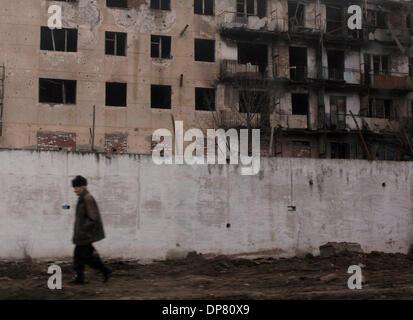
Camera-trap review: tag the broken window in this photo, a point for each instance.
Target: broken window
(204, 50)
(253, 53)
(411, 67)
(161, 4)
(382, 108)
(298, 63)
(57, 91)
(253, 101)
(205, 7)
(252, 8)
(161, 47)
(411, 109)
(58, 39)
(338, 112)
(117, 3)
(409, 23)
(115, 43)
(381, 64)
(339, 150)
(116, 94)
(299, 104)
(161, 97)
(205, 99)
(301, 149)
(296, 13)
(335, 65)
(377, 19)
(383, 151)
(335, 20)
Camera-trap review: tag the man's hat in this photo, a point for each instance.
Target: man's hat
(79, 181)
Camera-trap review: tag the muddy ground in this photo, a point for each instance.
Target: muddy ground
(386, 276)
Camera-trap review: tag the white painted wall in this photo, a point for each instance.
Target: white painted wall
(154, 211)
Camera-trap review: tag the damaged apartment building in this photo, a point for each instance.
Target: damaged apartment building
(120, 69)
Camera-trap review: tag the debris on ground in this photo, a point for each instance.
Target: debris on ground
(335, 248)
(221, 277)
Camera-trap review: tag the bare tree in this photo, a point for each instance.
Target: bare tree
(250, 109)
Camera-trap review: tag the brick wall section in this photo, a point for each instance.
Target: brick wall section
(116, 143)
(56, 141)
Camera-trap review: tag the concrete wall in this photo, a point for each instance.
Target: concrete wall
(154, 211)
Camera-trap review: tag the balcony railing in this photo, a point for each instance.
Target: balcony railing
(232, 69)
(391, 80)
(342, 74)
(298, 73)
(271, 23)
(234, 20)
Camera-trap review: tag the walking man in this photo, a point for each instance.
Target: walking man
(88, 229)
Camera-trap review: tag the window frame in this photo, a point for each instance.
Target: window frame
(115, 43)
(160, 46)
(46, 32)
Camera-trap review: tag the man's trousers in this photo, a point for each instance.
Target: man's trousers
(86, 255)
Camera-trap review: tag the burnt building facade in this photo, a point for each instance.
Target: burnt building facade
(120, 69)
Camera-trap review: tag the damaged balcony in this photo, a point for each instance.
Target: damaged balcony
(337, 28)
(390, 81)
(344, 75)
(251, 63)
(299, 116)
(232, 22)
(232, 69)
(380, 116)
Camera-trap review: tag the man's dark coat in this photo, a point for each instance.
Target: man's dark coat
(88, 223)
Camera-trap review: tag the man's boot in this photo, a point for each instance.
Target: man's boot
(80, 279)
(106, 274)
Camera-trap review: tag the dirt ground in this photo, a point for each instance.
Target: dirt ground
(386, 276)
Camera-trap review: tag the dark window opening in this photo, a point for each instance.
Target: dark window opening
(253, 101)
(411, 109)
(115, 43)
(205, 99)
(382, 108)
(298, 63)
(58, 39)
(339, 150)
(296, 14)
(301, 143)
(253, 53)
(116, 94)
(411, 67)
(205, 7)
(299, 104)
(335, 65)
(383, 151)
(377, 19)
(338, 111)
(161, 97)
(204, 50)
(367, 68)
(335, 23)
(117, 3)
(161, 4)
(57, 91)
(381, 64)
(409, 24)
(252, 8)
(161, 47)
(301, 149)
